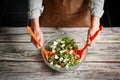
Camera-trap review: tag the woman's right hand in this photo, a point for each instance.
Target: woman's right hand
(37, 31)
(39, 35)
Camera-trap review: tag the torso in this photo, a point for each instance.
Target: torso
(65, 13)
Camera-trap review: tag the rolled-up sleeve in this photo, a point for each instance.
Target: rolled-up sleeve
(35, 8)
(97, 8)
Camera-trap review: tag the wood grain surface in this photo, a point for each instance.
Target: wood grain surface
(20, 60)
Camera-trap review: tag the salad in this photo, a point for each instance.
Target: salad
(63, 53)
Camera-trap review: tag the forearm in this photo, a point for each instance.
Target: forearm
(95, 21)
(34, 11)
(96, 12)
(35, 23)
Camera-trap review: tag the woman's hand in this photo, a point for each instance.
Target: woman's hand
(95, 23)
(37, 31)
(39, 35)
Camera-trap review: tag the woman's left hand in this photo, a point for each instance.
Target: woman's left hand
(95, 23)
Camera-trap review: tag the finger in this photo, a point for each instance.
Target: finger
(36, 45)
(41, 39)
(89, 41)
(88, 38)
(96, 39)
(41, 42)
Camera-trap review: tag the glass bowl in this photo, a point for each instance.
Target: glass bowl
(80, 43)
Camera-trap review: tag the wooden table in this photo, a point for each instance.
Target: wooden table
(20, 60)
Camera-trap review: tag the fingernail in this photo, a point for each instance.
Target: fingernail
(38, 47)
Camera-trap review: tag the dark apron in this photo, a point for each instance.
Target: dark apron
(65, 13)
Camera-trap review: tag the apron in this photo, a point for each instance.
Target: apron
(66, 13)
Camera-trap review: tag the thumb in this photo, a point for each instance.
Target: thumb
(88, 40)
(41, 42)
(38, 45)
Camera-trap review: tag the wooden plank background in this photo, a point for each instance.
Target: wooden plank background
(20, 60)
